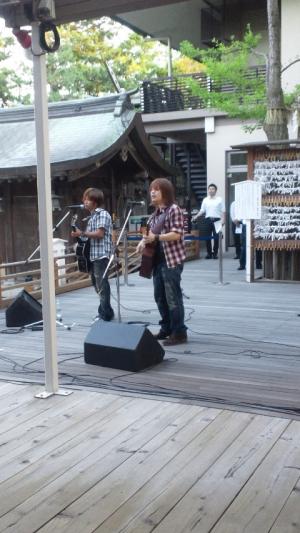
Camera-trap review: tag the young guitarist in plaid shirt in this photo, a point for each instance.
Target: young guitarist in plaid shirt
(167, 231)
(99, 231)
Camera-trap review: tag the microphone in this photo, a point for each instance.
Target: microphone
(133, 202)
(78, 206)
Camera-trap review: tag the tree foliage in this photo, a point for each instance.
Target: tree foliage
(78, 68)
(12, 84)
(232, 85)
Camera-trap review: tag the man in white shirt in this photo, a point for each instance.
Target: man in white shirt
(213, 209)
(236, 226)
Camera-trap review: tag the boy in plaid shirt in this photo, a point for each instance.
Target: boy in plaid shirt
(99, 231)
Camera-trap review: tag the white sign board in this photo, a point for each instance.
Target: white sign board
(248, 200)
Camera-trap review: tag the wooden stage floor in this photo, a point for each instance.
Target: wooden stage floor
(108, 463)
(206, 441)
(243, 351)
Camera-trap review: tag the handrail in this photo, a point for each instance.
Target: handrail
(174, 94)
(67, 275)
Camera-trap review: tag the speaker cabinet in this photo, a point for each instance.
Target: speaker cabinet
(23, 310)
(124, 346)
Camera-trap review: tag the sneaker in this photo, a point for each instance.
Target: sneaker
(161, 335)
(208, 256)
(175, 339)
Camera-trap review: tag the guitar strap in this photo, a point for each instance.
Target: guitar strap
(159, 221)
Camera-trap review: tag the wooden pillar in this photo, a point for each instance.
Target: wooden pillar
(8, 223)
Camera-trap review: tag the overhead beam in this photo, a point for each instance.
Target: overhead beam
(67, 11)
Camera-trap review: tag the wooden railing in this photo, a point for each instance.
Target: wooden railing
(27, 274)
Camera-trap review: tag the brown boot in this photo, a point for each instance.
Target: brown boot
(175, 339)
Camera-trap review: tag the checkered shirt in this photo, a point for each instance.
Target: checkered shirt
(100, 247)
(174, 250)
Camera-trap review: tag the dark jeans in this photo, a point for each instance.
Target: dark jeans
(212, 232)
(168, 298)
(243, 247)
(102, 287)
(236, 240)
(258, 253)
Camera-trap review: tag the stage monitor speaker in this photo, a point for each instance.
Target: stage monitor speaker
(124, 346)
(23, 310)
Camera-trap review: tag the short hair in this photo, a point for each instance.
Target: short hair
(95, 195)
(166, 188)
(213, 185)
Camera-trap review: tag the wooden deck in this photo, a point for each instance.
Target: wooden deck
(207, 441)
(243, 351)
(106, 463)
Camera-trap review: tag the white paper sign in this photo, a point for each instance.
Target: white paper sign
(218, 226)
(248, 200)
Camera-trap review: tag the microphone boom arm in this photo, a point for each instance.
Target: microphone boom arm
(53, 230)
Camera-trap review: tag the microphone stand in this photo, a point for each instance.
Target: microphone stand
(113, 258)
(53, 230)
(59, 321)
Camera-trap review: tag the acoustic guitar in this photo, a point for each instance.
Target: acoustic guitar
(147, 260)
(82, 250)
(149, 252)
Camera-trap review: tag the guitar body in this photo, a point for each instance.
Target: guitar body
(149, 252)
(147, 261)
(82, 250)
(83, 255)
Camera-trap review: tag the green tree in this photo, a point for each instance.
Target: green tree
(248, 98)
(78, 68)
(230, 86)
(13, 85)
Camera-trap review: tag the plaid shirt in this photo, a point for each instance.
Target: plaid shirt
(174, 250)
(100, 247)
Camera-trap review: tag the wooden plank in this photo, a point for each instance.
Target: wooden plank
(70, 438)
(258, 504)
(154, 499)
(15, 398)
(41, 428)
(7, 388)
(289, 517)
(75, 467)
(107, 495)
(207, 500)
(28, 411)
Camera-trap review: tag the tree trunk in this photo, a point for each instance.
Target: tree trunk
(275, 124)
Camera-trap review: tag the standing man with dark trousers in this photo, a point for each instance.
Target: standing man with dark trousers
(166, 235)
(213, 209)
(236, 226)
(99, 231)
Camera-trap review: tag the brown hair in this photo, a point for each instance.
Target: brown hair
(166, 188)
(95, 195)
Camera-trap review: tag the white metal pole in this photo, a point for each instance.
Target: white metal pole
(45, 214)
(248, 251)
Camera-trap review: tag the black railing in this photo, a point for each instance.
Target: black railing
(175, 94)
